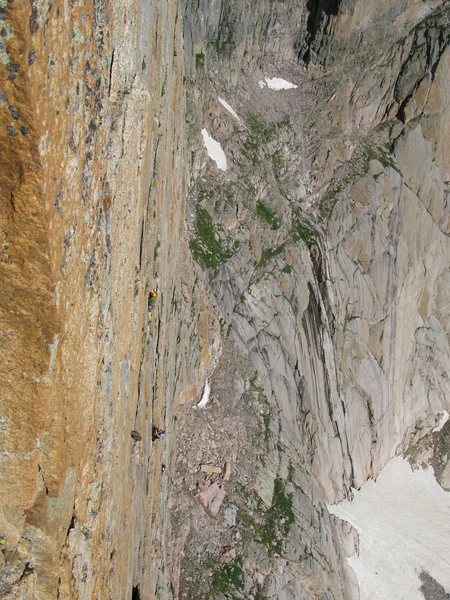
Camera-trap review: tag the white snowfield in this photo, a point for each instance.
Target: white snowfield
(403, 521)
(214, 150)
(205, 396)
(276, 83)
(227, 107)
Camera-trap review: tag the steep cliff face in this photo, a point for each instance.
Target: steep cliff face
(302, 272)
(93, 191)
(324, 239)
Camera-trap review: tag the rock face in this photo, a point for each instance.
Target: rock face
(308, 279)
(326, 245)
(93, 191)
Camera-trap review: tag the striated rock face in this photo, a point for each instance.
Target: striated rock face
(303, 270)
(326, 244)
(93, 190)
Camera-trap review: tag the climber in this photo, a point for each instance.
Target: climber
(157, 434)
(152, 299)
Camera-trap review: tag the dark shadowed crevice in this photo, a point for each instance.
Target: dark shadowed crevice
(431, 589)
(316, 8)
(136, 594)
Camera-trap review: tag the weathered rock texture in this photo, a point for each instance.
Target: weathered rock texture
(93, 189)
(326, 245)
(321, 267)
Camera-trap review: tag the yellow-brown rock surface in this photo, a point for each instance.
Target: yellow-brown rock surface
(93, 182)
(324, 247)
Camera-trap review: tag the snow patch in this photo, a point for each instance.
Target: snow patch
(442, 420)
(229, 109)
(214, 150)
(276, 83)
(403, 521)
(205, 396)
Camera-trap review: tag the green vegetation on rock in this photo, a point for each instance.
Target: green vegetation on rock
(269, 253)
(301, 231)
(268, 215)
(229, 577)
(208, 248)
(224, 42)
(277, 160)
(380, 154)
(260, 134)
(218, 195)
(199, 60)
(271, 525)
(305, 232)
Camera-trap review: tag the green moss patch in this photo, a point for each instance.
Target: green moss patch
(229, 577)
(199, 60)
(208, 248)
(271, 526)
(268, 215)
(268, 254)
(305, 232)
(259, 135)
(380, 154)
